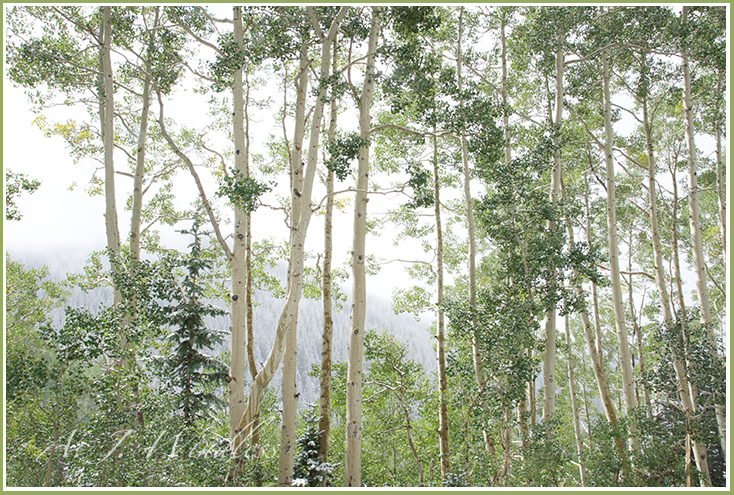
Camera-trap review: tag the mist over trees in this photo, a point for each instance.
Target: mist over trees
(544, 186)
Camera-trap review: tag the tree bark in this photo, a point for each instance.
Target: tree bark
(288, 317)
(326, 347)
(720, 172)
(353, 448)
(298, 210)
(301, 212)
(674, 240)
(699, 264)
(575, 408)
(594, 297)
(443, 415)
(549, 356)
(476, 352)
(686, 394)
(597, 364)
(476, 355)
(238, 295)
(250, 340)
(619, 315)
(107, 115)
(137, 206)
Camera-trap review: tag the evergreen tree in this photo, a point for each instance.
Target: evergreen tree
(309, 469)
(190, 372)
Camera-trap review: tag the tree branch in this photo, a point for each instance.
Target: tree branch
(189, 163)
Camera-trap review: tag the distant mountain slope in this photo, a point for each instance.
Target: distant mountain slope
(379, 317)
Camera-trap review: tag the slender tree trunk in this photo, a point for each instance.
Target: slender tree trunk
(686, 394)
(693, 208)
(699, 264)
(301, 203)
(531, 402)
(326, 349)
(720, 173)
(107, 114)
(591, 345)
(674, 241)
(299, 219)
(637, 332)
(237, 261)
(290, 407)
(575, 408)
(522, 406)
(137, 206)
(506, 436)
(298, 210)
(476, 354)
(107, 123)
(586, 402)
(619, 315)
(250, 340)
(353, 447)
(549, 357)
(594, 297)
(443, 415)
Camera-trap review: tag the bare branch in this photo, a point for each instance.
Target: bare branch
(194, 174)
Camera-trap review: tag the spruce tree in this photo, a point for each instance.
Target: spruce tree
(309, 469)
(191, 372)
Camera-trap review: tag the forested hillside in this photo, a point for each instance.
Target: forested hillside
(289, 194)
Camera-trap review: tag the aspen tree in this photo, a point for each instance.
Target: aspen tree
(237, 260)
(684, 387)
(107, 117)
(300, 203)
(137, 206)
(326, 346)
(597, 365)
(699, 263)
(549, 356)
(575, 407)
(471, 227)
(443, 414)
(353, 449)
(619, 315)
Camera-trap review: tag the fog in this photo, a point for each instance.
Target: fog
(266, 313)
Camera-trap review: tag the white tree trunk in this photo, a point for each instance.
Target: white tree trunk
(353, 448)
(597, 364)
(107, 114)
(575, 408)
(693, 208)
(326, 347)
(443, 414)
(300, 204)
(476, 355)
(699, 264)
(298, 211)
(238, 294)
(137, 206)
(250, 340)
(619, 315)
(288, 317)
(594, 296)
(720, 173)
(549, 356)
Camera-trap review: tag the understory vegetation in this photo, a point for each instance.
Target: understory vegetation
(545, 185)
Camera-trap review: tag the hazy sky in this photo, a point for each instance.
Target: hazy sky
(59, 222)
